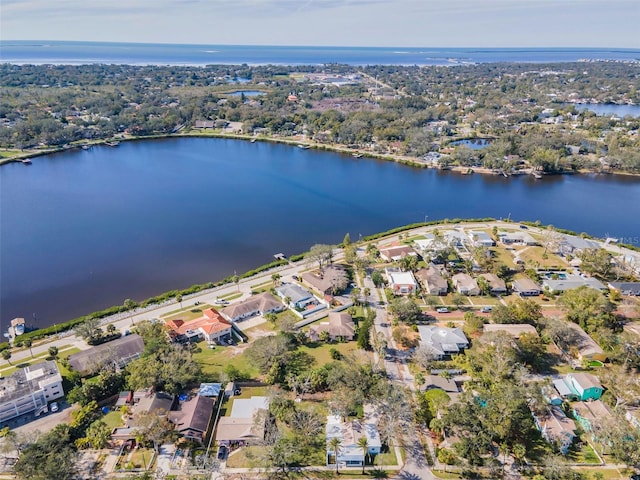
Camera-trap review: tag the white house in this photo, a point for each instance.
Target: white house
(402, 283)
(300, 297)
(350, 454)
(481, 239)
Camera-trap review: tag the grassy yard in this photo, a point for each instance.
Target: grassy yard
(231, 296)
(64, 352)
(190, 313)
(213, 361)
(535, 256)
(322, 351)
(583, 455)
(607, 473)
(141, 458)
(388, 458)
(113, 419)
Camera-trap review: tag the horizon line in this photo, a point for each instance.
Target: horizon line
(521, 47)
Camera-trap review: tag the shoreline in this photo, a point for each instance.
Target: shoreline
(401, 159)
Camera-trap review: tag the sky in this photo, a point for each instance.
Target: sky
(410, 23)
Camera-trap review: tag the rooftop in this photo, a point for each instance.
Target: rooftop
(261, 303)
(115, 350)
(27, 380)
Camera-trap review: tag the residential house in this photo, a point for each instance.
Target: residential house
(556, 428)
(571, 282)
(432, 281)
(579, 385)
(586, 413)
(350, 453)
(298, 296)
(454, 238)
(212, 327)
(514, 330)
(572, 245)
(481, 239)
(193, 418)
(339, 326)
(260, 304)
(204, 124)
(401, 283)
(496, 284)
(517, 238)
(587, 348)
(441, 383)
(328, 281)
(525, 287)
(626, 288)
(246, 423)
(396, 252)
(29, 390)
(442, 341)
(465, 285)
(117, 352)
(158, 403)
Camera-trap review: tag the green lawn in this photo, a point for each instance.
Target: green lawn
(214, 360)
(231, 296)
(113, 419)
(9, 369)
(190, 313)
(322, 351)
(536, 256)
(388, 458)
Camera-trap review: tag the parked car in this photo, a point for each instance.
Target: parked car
(296, 278)
(54, 407)
(486, 309)
(442, 310)
(222, 452)
(221, 302)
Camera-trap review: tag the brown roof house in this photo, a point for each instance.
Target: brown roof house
(246, 424)
(432, 281)
(254, 305)
(496, 284)
(396, 251)
(117, 352)
(465, 285)
(330, 280)
(340, 325)
(193, 418)
(556, 428)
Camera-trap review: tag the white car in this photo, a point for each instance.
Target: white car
(221, 302)
(54, 407)
(442, 310)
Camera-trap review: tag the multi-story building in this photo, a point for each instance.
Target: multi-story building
(29, 390)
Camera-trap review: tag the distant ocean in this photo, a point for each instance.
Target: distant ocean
(77, 53)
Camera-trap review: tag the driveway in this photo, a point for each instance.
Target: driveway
(27, 424)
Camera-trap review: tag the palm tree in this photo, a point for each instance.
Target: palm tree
(6, 354)
(28, 343)
(363, 443)
(276, 279)
(179, 299)
(335, 444)
(367, 294)
(53, 352)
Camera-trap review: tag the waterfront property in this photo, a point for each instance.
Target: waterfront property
(297, 296)
(117, 352)
(255, 305)
(212, 327)
(396, 252)
(517, 238)
(29, 390)
(481, 239)
(329, 281)
(350, 454)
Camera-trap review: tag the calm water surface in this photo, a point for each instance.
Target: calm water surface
(84, 230)
(610, 109)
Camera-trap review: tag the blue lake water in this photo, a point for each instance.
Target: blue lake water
(246, 93)
(473, 143)
(83, 230)
(60, 52)
(609, 109)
